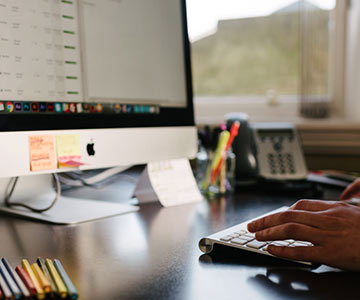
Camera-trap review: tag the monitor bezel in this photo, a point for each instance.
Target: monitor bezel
(168, 116)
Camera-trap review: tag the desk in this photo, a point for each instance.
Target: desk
(154, 254)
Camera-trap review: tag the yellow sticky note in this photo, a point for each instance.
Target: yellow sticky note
(42, 152)
(68, 149)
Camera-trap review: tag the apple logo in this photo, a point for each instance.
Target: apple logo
(90, 148)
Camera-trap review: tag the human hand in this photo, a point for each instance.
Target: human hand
(352, 190)
(333, 228)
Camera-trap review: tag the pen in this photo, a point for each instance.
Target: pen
(57, 279)
(5, 289)
(41, 263)
(40, 292)
(23, 289)
(10, 281)
(27, 280)
(69, 285)
(45, 284)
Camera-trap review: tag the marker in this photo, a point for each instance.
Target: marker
(57, 279)
(41, 263)
(10, 281)
(40, 292)
(45, 284)
(23, 289)
(233, 133)
(223, 139)
(27, 280)
(5, 289)
(69, 285)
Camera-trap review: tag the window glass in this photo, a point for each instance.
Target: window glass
(242, 47)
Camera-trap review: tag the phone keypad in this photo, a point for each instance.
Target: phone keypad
(281, 163)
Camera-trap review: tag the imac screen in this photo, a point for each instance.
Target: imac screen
(94, 64)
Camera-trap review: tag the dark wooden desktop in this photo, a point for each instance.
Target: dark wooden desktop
(154, 254)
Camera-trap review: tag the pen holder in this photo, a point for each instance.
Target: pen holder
(224, 181)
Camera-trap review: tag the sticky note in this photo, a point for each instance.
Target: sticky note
(42, 152)
(68, 150)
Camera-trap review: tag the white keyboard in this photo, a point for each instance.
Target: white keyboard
(239, 237)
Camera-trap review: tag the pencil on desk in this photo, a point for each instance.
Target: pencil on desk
(45, 284)
(40, 292)
(7, 294)
(27, 280)
(22, 287)
(57, 279)
(10, 281)
(66, 279)
(41, 263)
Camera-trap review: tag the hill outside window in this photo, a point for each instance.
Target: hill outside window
(275, 59)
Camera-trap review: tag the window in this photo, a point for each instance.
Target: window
(262, 57)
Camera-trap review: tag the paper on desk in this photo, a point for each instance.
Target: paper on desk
(42, 152)
(68, 150)
(171, 182)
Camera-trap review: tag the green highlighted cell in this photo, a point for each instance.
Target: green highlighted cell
(71, 77)
(72, 93)
(69, 32)
(69, 62)
(66, 1)
(68, 17)
(70, 47)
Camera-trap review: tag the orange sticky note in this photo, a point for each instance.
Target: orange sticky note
(42, 152)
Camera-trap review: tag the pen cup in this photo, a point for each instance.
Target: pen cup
(224, 181)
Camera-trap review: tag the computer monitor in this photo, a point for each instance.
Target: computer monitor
(113, 74)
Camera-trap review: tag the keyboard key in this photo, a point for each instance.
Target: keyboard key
(248, 234)
(240, 232)
(265, 248)
(234, 235)
(280, 243)
(256, 244)
(290, 241)
(301, 244)
(239, 241)
(246, 237)
(305, 243)
(226, 238)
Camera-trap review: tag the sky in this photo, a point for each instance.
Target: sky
(203, 15)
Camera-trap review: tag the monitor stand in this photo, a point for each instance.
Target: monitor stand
(38, 191)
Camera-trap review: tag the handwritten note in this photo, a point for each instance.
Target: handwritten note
(42, 152)
(68, 150)
(171, 182)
